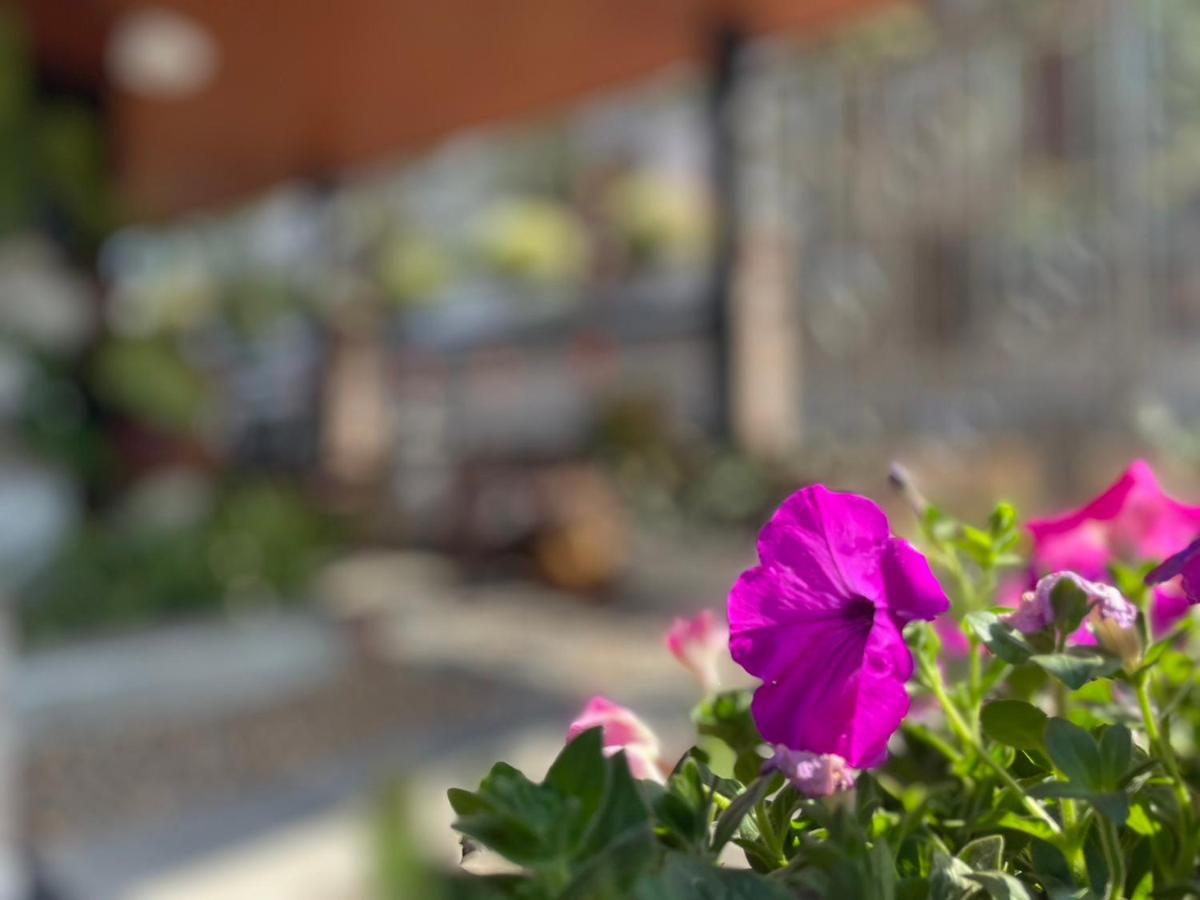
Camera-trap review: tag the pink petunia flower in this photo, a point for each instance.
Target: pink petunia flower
(622, 731)
(819, 621)
(698, 643)
(812, 774)
(1133, 521)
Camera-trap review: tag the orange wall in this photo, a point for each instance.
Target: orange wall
(307, 87)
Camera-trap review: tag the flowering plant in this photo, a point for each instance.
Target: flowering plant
(911, 735)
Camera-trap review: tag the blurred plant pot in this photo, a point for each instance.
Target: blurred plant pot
(582, 544)
(565, 520)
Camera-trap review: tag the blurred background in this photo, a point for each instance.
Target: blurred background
(379, 378)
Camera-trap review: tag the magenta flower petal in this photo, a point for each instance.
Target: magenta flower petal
(850, 705)
(1171, 604)
(1132, 521)
(838, 538)
(912, 590)
(1186, 563)
(819, 622)
(1173, 598)
(955, 644)
(769, 603)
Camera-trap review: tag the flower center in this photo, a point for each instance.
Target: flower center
(859, 608)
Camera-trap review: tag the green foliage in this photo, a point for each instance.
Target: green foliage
(1014, 723)
(584, 831)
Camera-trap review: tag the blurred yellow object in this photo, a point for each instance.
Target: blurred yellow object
(413, 268)
(534, 239)
(661, 217)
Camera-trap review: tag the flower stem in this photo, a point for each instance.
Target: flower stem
(1162, 743)
(719, 801)
(921, 733)
(976, 676)
(993, 675)
(933, 678)
(1110, 843)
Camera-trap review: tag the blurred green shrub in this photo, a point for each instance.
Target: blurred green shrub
(258, 544)
(52, 160)
(687, 478)
(149, 380)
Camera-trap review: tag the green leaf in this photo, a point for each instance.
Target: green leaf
(731, 818)
(1113, 805)
(1014, 723)
(612, 870)
(678, 823)
(1002, 639)
(984, 853)
(727, 717)
(1077, 756)
(622, 809)
(1141, 822)
(1074, 752)
(1130, 580)
(579, 773)
(1033, 827)
(782, 806)
(977, 545)
(1070, 605)
(1003, 520)
(1077, 666)
(1001, 885)
(1050, 865)
(1153, 655)
(949, 878)
(586, 820)
(1062, 789)
(759, 858)
(1060, 891)
(687, 878)
(684, 809)
(464, 803)
(513, 816)
(1116, 753)
(938, 526)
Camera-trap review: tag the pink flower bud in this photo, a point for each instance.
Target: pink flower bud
(622, 731)
(698, 643)
(812, 774)
(1106, 604)
(1033, 614)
